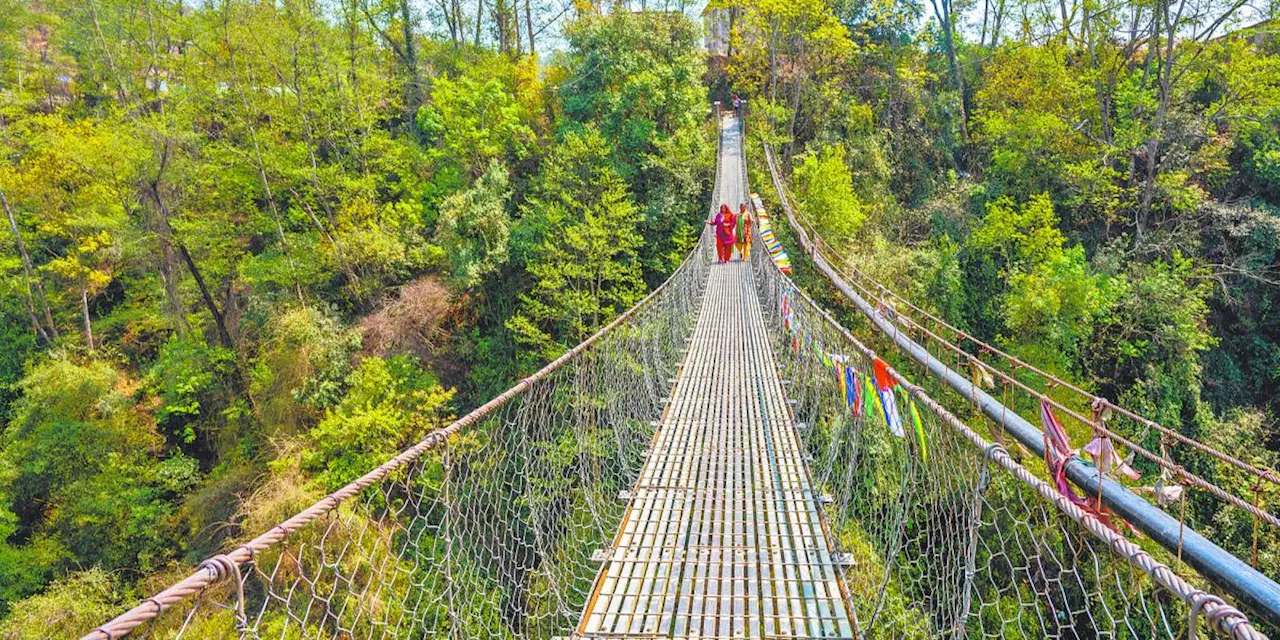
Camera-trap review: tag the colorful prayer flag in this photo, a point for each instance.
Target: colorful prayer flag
(859, 395)
(872, 397)
(884, 385)
(915, 420)
(1057, 453)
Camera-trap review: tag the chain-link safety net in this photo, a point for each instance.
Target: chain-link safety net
(484, 530)
(945, 533)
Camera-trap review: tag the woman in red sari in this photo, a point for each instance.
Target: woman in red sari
(726, 226)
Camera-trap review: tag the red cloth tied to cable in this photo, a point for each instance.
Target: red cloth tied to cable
(1057, 453)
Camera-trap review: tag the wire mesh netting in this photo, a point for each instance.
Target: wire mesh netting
(489, 532)
(944, 537)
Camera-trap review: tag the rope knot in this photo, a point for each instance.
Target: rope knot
(160, 606)
(990, 450)
(1225, 617)
(222, 566)
(1198, 599)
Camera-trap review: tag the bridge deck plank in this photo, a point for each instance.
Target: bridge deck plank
(723, 536)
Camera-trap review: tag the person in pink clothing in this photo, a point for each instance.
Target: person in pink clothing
(726, 226)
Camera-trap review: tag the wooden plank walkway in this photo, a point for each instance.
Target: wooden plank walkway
(723, 537)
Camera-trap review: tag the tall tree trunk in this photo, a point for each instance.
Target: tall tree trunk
(1102, 95)
(262, 170)
(168, 267)
(892, 101)
(998, 24)
(982, 34)
(942, 11)
(1066, 18)
(35, 322)
(459, 22)
(224, 336)
(169, 272)
(528, 25)
(733, 24)
(500, 22)
(1164, 92)
(773, 63)
(350, 17)
(407, 54)
(29, 270)
(446, 11)
(414, 90)
(791, 126)
(84, 314)
(337, 248)
(122, 92)
(515, 27)
(479, 19)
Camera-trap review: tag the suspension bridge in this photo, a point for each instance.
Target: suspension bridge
(723, 460)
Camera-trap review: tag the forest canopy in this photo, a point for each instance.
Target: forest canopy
(269, 245)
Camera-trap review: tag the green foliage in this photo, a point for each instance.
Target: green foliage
(579, 242)
(1022, 238)
(215, 211)
(186, 376)
(1051, 295)
(474, 228)
(308, 357)
(1153, 334)
(1029, 100)
(82, 476)
(640, 86)
(472, 122)
(81, 601)
(389, 405)
(17, 342)
(824, 188)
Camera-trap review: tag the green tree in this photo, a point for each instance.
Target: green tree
(473, 228)
(577, 237)
(1151, 338)
(69, 606)
(640, 85)
(389, 405)
(824, 188)
(1051, 294)
(81, 474)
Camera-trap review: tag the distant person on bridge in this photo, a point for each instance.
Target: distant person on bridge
(725, 223)
(744, 232)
